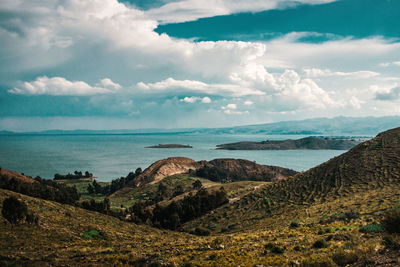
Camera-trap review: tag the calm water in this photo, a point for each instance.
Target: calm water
(113, 156)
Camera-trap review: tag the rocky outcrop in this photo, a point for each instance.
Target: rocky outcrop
(164, 168)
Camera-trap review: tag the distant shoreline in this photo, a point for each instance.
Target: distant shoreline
(308, 143)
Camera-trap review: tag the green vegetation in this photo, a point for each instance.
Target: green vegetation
(372, 228)
(343, 212)
(76, 175)
(391, 221)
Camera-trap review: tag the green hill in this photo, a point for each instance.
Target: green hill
(331, 215)
(368, 166)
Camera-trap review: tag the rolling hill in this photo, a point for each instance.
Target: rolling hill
(230, 169)
(371, 165)
(330, 215)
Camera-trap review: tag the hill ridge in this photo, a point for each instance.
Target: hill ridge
(369, 165)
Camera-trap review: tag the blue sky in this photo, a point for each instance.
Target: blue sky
(104, 64)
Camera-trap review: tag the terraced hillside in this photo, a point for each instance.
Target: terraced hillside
(370, 165)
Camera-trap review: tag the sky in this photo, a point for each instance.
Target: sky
(108, 64)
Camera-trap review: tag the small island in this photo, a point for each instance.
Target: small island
(170, 146)
(307, 143)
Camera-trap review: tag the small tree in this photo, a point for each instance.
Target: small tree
(391, 221)
(14, 210)
(90, 189)
(97, 187)
(138, 171)
(197, 184)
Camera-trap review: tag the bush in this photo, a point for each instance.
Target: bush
(342, 258)
(274, 248)
(201, 231)
(390, 243)
(294, 224)
(391, 221)
(372, 228)
(13, 210)
(321, 243)
(32, 218)
(349, 215)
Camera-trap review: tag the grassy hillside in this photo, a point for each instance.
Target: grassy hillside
(67, 235)
(369, 165)
(331, 215)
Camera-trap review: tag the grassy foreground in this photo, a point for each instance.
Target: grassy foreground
(318, 234)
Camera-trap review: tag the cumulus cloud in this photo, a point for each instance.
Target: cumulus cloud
(189, 99)
(194, 99)
(104, 38)
(106, 82)
(355, 103)
(231, 109)
(388, 95)
(197, 86)
(59, 86)
(206, 100)
(186, 10)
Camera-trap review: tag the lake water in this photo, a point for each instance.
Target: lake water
(112, 156)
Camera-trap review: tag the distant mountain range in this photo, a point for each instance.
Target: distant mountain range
(320, 126)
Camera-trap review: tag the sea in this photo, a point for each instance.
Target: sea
(111, 156)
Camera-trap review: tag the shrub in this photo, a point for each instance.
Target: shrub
(390, 243)
(342, 257)
(372, 228)
(294, 224)
(349, 215)
(201, 231)
(391, 221)
(320, 243)
(274, 248)
(32, 218)
(13, 210)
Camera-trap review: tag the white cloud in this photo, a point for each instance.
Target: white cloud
(187, 10)
(206, 100)
(388, 95)
(108, 39)
(60, 86)
(106, 82)
(197, 86)
(248, 103)
(193, 99)
(355, 102)
(388, 64)
(231, 106)
(316, 73)
(189, 99)
(231, 109)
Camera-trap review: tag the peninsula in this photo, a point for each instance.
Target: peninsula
(311, 143)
